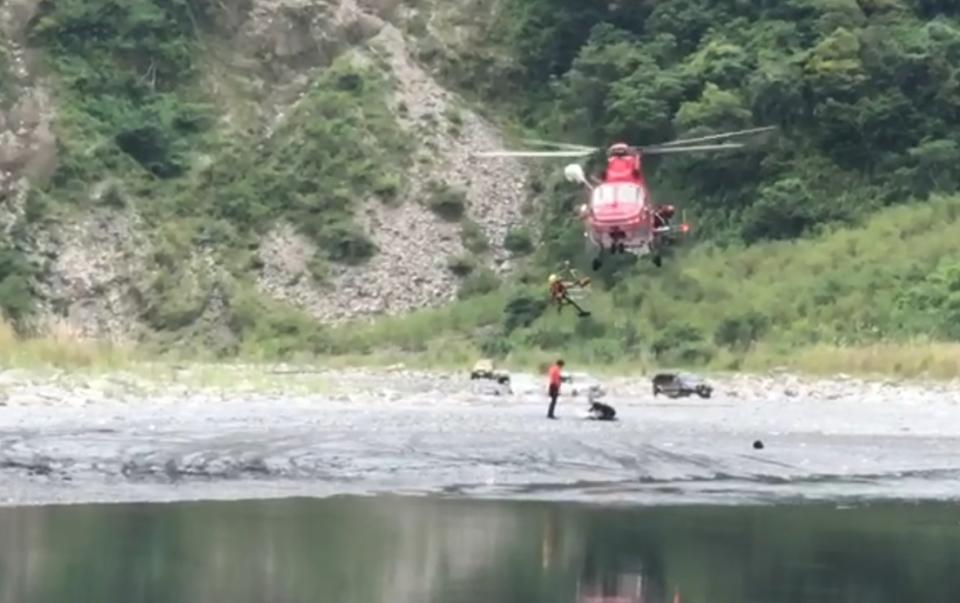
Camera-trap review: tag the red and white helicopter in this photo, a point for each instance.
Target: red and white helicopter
(620, 215)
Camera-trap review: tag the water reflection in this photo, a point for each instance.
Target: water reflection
(598, 584)
(427, 551)
(623, 588)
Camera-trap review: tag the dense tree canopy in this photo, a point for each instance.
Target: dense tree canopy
(866, 94)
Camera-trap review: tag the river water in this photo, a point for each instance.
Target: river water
(425, 550)
(598, 513)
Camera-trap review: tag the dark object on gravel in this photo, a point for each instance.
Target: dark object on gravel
(602, 412)
(674, 385)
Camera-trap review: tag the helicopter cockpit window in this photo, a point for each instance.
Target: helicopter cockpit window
(629, 193)
(604, 195)
(618, 193)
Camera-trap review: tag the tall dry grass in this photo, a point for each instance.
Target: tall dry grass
(917, 360)
(62, 347)
(59, 345)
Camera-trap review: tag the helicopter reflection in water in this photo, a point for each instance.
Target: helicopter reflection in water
(598, 581)
(623, 588)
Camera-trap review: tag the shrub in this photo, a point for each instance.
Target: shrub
(16, 301)
(741, 330)
(518, 241)
(318, 267)
(693, 354)
(675, 336)
(495, 346)
(274, 330)
(590, 328)
(461, 265)
(343, 242)
(448, 203)
(454, 116)
(36, 206)
(473, 237)
(6, 80)
(481, 282)
(782, 211)
(177, 298)
(455, 119)
(388, 186)
(546, 338)
(932, 305)
(522, 311)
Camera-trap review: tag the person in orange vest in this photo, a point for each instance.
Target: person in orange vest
(662, 216)
(555, 376)
(559, 294)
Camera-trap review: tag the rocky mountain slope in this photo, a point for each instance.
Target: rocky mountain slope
(95, 264)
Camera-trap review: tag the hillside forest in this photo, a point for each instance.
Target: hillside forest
(839, 231)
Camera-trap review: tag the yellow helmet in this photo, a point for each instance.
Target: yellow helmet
(553, 278)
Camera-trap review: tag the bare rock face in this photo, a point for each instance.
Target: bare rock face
(284, 254)
(16, 14)
(32, 145)
(286, 29)
(275, 46)
(268, 54)
(383, 8)
(28, 147)
(411, 269)
(13, 200)
(95, 266)
(495, 188)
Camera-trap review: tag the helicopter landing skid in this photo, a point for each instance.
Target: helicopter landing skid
(621, 249)
(614, 249)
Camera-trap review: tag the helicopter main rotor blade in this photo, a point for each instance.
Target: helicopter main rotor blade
(707, 147)
(559, 145)
(533, 154)
(687, 141)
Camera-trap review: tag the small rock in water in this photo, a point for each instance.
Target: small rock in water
(758, 445)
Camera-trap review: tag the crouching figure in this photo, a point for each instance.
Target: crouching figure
(602, 412)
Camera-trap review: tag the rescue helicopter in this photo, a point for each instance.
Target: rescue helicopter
(620, 215)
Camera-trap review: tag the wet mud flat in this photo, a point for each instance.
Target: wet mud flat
(69, 439)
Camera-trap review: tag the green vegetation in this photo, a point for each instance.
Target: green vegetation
(473, 237)
(6, 79)
(59, 349)
(455, 121)
(837, 235)
(126, 70)
(865, 95)
(16, 302)
(834, 238)
(338, 146)
(462, 265)
(447, 202)
(138, 122)
(479, 282)
(518, 241)
(270, 330)
(845, 295)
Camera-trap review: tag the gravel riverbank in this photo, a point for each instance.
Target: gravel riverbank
(242, 432)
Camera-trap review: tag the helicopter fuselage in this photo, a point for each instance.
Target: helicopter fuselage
(620, 217)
